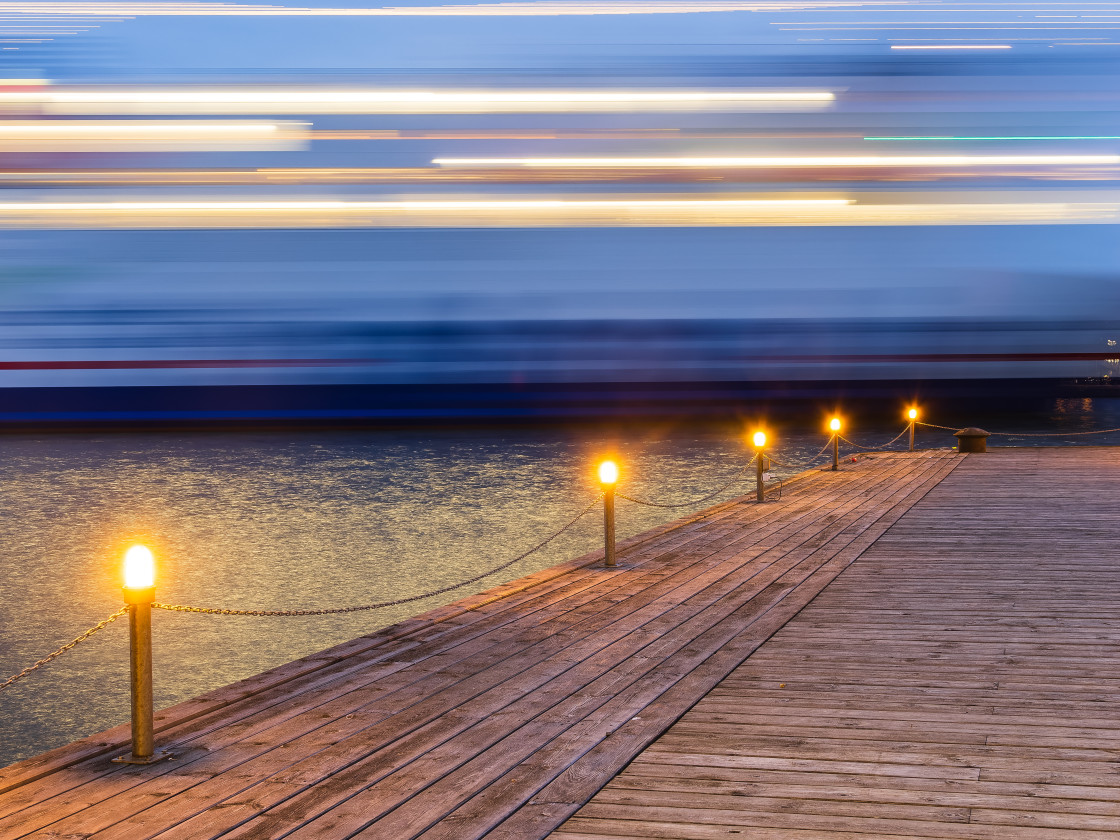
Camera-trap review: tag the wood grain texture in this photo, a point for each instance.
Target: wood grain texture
(961, 680)
(502, 714)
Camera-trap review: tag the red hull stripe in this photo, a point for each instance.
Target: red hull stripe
(149, 364)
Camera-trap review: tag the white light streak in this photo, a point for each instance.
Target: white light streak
(537, 212)
(447, 204)
(511, 9)
(770, 162)
(271, 100)
(151, 135)
(950, 46)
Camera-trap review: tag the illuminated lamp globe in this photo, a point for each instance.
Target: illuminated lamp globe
(834, 424)
(608, 472)
(760, 439)
(139, 568)
(912, 414)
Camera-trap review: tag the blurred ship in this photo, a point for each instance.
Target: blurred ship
(669, 236)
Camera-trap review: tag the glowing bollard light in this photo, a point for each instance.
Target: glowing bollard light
(913, 415)
(834, 425)
(608, 477)
(759, 445)
(139, 593)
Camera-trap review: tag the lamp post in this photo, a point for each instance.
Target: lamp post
(760, 446)
(913, 415)
(139, 593)
(608, 477)
(834, 425)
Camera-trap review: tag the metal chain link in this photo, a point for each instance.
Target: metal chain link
(711, 495)
(879, 449)
(803, 463)
(1029, 434)
(383, 604)
(1052, 434)
(100, 625)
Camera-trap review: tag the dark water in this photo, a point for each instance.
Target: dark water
(322, 519)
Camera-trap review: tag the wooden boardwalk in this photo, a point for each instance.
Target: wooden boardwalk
(965, 668)
(962, 680)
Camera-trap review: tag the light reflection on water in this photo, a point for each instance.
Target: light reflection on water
(308, 520)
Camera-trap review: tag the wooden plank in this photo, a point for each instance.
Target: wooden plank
(822, 785)
(668, 823)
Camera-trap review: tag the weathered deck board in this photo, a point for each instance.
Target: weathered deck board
(450, 724)
(962, 680)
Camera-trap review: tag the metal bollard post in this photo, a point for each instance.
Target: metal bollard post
(834, 425)
(972, 439)
(139, 593)
(913, 415)
(608, 477)
(759, 486)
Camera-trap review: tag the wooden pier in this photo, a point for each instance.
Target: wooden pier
(919, 645)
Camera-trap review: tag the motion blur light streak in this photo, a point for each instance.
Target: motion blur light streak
(448, 213)
(1006, 137)
(950, 46)
(891, 209)
(866, 160)
(300, 206)
(530, 175)
(88, 129)
(148, 135)
(534, 9)
(271, 100)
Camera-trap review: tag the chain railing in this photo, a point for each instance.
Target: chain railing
(882, 448)
(383, 604)
(691, 502)
(300, 612)
(1029, 434)
(1026, 434)
(69, 645)
(811, 462)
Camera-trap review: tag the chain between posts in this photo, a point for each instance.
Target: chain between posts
(99, 626)
(711, 495)
(383, 604)
(812, 460)
(1053, 434)
(878, 449)
(1029, 434)
(935, 426)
